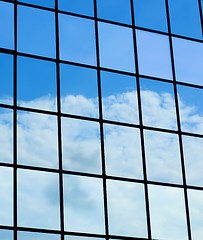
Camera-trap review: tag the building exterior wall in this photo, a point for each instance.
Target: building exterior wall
(101, 119)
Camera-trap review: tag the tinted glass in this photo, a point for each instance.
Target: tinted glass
(37, 236)
(47, 3)
(6, 234)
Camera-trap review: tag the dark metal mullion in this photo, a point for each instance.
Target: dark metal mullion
(201, 16)
(59, 121)
(141, 124)
(101, 123)
(178, 123)
(15, 224)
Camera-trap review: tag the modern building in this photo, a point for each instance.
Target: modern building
(101, 119)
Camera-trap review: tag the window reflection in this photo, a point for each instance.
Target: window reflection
(81, 145)
(193, 160)
(6, 78)
(37, 236)
(6, 234)
(6, 25)
(47, 3)
(119, 97)
(38, 199)
(158, 104)
(116, 47)
(126, 209)
(83, 203)
(162, 157)
(168, 219)
(79, 90)
(185, 18)
(188, 56)
(36, 31)
(37, 139)
(191, 110)
(154, 54)
(115, 10)
(150, 14)
(6, 136)
(122, 151)
(6, 197)
(36, 84)
(77, 39)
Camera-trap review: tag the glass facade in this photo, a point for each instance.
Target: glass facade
(101, 119)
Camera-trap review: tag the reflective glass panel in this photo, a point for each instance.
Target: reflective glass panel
(116, 47)
(38, 199)
(37, 236)
(36, 84)
(47, 3)
(193, 148)
(162, 157)
(167, 212)
(83, 203)
(6, 234)
(126, 209)
(6, 136)
(119, 97)
(37, 139)
(81, 145)
(158, 104)
(196, 208)
(6, 197)
(6, 25)
(79, 90)
(77, 39)
(185, 18)
(77, 6)
(114, 10)
(150, 14)
(188, 57)
(154, 54)
(36, 31)
(69, 237)
(6, 78)
(122, 151)
(191, 109)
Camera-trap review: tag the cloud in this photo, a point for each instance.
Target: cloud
(38, 192)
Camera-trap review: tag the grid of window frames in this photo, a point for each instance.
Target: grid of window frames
(101, 119)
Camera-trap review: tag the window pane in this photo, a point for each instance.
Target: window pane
(196, 208)
(122, 151)
(36, 84)
(185, 18)
(77, 6)
(47, 3)
(150, 14)
(83, 202)
(158, 104)
(154, 54)
(6, 136)
(81, 145)
(191, 109)
(79, 91)
(6, 234)
(36, 31)
(162, 157)
(114, 10)
(6, 197)
(126, 209)
(119, 97)
(69, 237)
(38, 199)
(193, 150)
(116, 47)
(37, 236)
(6, 78)
(188, 57)
(168, 220)
(77, 39)
(37, 140)
(6, 25)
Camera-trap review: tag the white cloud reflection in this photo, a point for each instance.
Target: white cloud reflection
(39, 192)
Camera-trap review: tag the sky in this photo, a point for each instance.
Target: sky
(37, 142)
